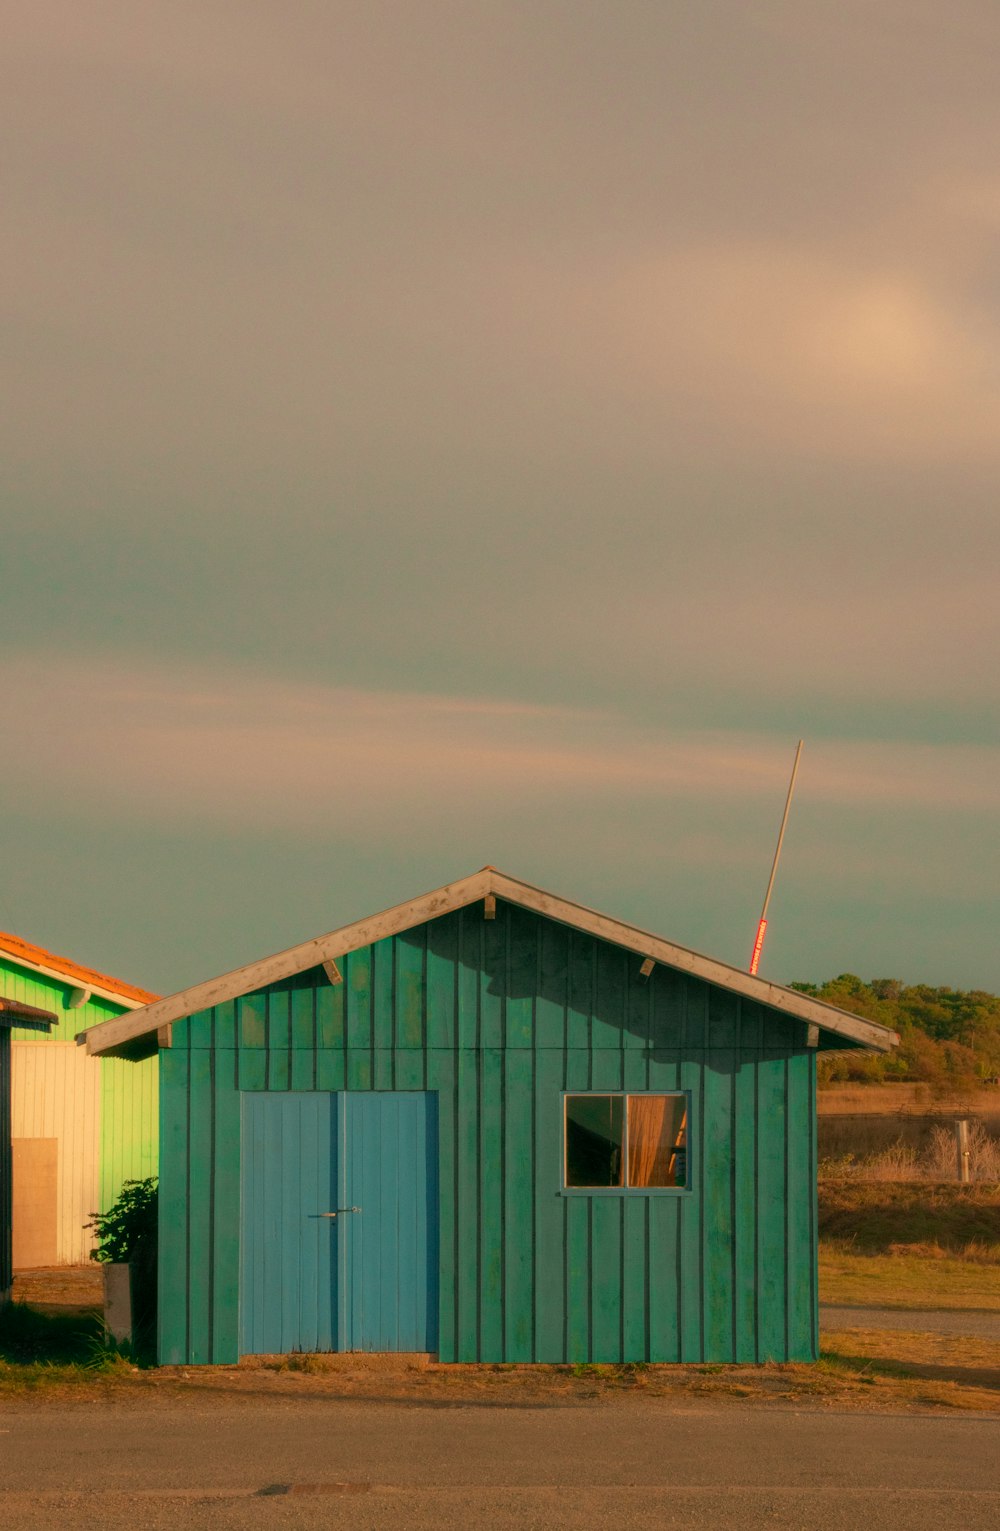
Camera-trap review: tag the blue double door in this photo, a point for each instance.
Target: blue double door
(339, 1230)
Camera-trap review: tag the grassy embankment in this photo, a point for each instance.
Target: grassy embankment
(909, 1245)
(915, 1245)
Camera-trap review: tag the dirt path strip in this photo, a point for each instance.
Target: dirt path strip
(973, 1324)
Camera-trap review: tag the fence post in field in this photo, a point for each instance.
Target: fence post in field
(962, 1149)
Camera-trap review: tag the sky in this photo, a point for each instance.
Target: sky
(437, 434)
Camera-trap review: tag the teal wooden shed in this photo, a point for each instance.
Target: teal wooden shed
(491, 1124)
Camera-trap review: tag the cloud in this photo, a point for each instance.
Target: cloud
(756, 346)
(324, 241)
(257, 755)
(579, 369)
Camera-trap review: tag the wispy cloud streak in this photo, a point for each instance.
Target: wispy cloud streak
(252, 751)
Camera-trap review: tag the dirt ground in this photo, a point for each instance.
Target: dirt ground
(861, 1367)
(872, 1371)
(60, 1288)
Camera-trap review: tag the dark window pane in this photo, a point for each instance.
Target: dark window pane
(594, 1140)
(657, 1140)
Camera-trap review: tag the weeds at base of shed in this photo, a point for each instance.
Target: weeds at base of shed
(856, 1371)
(29, 1337)
(842, 1378)
(43, 1350)
(63, 1380)
(624, 1371)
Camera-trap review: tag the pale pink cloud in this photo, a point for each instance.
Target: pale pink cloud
(183, 745)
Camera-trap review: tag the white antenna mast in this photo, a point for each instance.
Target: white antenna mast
(762, 927)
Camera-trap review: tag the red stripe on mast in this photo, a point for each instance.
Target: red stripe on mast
(755, 959)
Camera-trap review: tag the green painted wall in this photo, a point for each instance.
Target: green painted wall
(129, 1110)
(129, 1123)
(48, 994)
(500, 1017)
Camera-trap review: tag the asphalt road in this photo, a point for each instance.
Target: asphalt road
(977, 1323)
(617, 1465)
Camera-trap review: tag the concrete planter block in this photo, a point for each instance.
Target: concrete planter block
(118, 1302)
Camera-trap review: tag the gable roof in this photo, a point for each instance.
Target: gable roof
(26, 955)
(122, 1032)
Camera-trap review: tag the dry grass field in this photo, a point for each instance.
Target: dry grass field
(907, 1100)
(914, 1278)
(882, 1217)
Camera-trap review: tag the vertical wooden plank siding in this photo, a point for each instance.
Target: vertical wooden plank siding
(129, 1144)
(103, 1111)
(6, 1176)
(176, 1270)
(392, 1291)
(800, 1277)
(547, 1209)
(56, 1093)
(489, 1211)
(745, 1209)
(441, 1079)
(772, 1228)
(466, 1190)
(224, 1305)
(499, 1018)
(283, 1238)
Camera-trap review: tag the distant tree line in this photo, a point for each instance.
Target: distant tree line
(948, 1037)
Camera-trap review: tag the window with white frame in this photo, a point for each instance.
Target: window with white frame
(627, 1141)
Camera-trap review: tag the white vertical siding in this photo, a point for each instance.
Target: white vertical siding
(56, 1093)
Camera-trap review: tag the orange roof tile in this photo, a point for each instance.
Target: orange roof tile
(84, 978)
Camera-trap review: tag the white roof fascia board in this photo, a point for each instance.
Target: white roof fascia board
(71, 981)
(124, 1029)
(802, 1006)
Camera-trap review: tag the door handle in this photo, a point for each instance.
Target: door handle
(340, 1209)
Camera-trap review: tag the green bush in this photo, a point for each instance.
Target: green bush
(126, 1233)
(948, 1038)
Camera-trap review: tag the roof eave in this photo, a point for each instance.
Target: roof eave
(73, 981)
(119, 1033)
(19, 1016)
